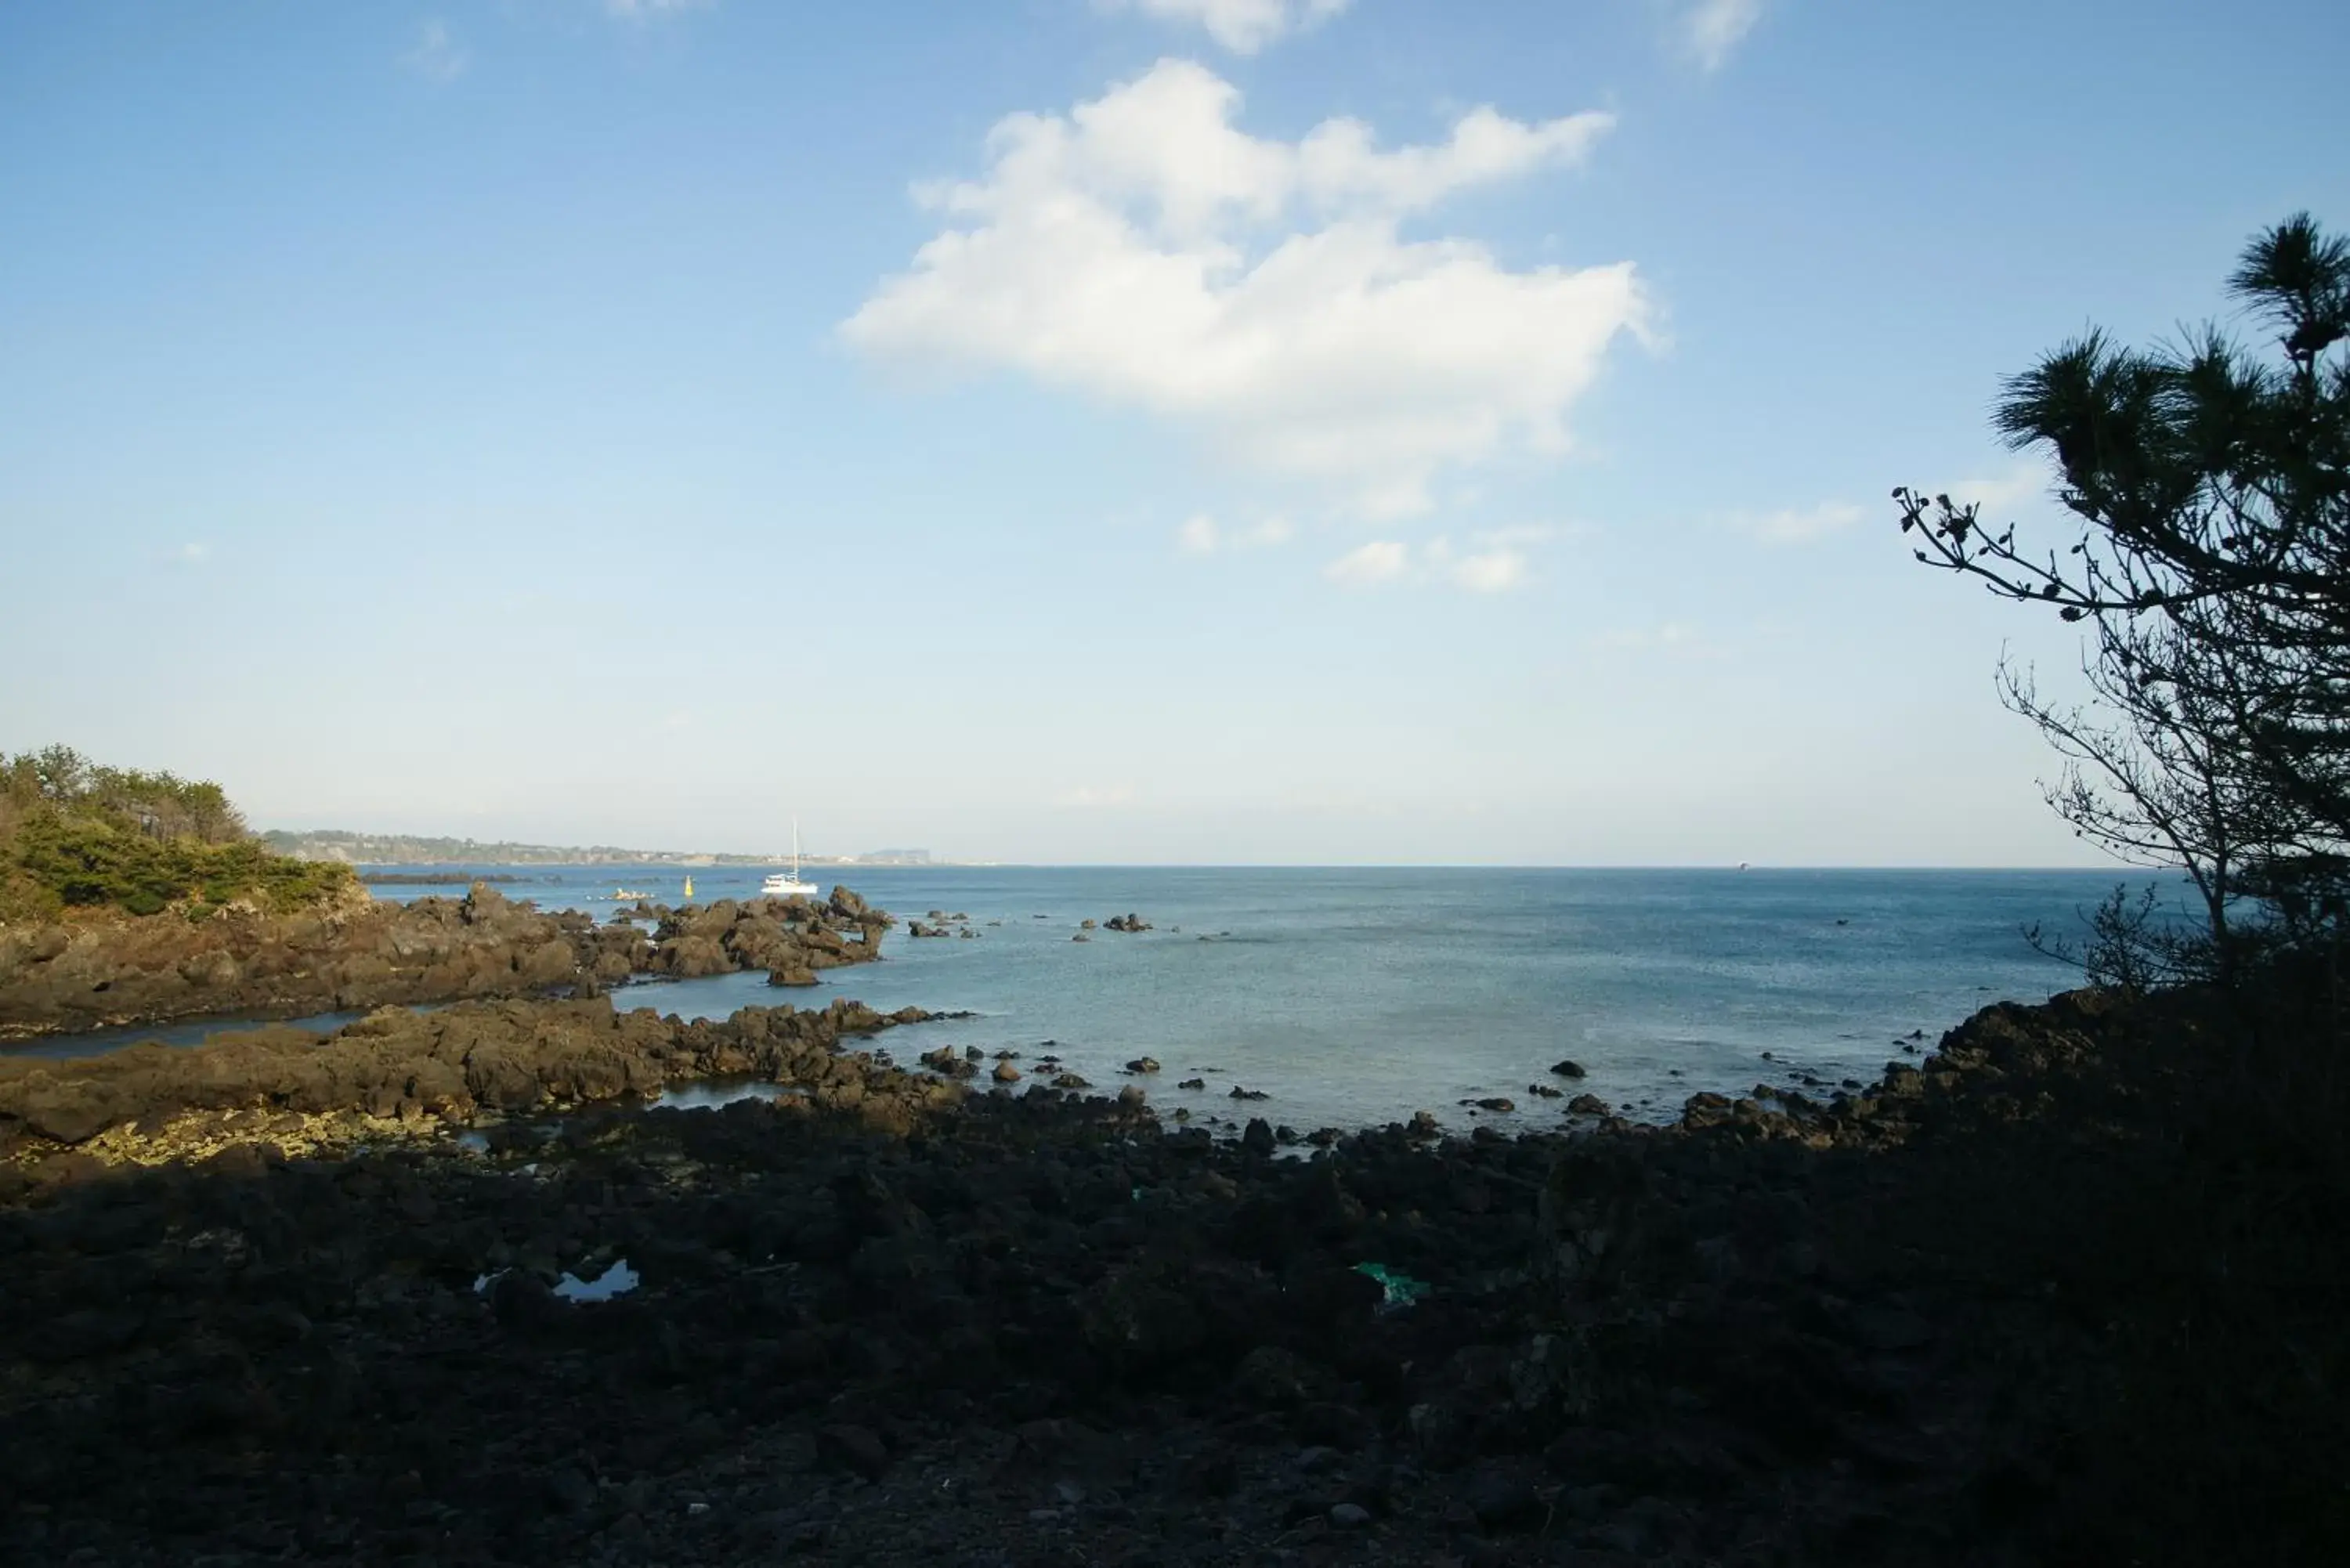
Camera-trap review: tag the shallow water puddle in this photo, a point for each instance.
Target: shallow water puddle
(618, 1278)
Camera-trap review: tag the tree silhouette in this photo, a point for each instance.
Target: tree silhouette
(2212, 565)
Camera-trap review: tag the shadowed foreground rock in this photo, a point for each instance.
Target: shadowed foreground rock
(361, 954)
(1038, 1329)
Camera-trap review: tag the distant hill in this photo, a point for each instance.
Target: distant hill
(408, 849)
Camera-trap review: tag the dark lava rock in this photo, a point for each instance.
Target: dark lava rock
(360, 954)
(853, 1449)
(1503, 1497)
(1568, 1068)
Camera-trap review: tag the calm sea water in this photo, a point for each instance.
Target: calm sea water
(1352, 996)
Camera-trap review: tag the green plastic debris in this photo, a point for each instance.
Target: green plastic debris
(1401, 1289)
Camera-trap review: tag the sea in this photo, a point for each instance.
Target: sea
(1357, 996)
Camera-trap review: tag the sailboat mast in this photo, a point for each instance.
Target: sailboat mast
(796, 848)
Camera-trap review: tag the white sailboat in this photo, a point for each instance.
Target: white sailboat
(783, 886)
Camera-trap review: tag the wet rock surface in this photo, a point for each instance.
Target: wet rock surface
(1040, 1328)
(361, 954)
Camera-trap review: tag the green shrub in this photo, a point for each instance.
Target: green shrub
(75, 834)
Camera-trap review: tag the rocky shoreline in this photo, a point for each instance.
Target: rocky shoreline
(359, 954)
(890, 1321)
(425, 1074)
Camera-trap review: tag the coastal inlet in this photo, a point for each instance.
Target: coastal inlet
(1347, 997)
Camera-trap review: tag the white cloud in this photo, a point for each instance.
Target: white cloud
(192, 554)
(2028, 480)
(1243, 26)
(1380, 561)
(1087, 797)
(437, 55)
(1491, 571)
(1144, 250)
(1795, 526)
(1197, 535)
(1712, 29)
(1524, 534)
(1496, 567)
(1203, 536)
(1672, 634)
(635, 8)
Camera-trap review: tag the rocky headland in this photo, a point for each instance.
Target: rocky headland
(888, 1320)
(355, 953)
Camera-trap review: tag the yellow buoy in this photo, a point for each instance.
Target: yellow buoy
(688, 887)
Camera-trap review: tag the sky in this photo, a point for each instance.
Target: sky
(1130, 430)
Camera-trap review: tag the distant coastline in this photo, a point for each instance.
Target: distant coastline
(407, 849)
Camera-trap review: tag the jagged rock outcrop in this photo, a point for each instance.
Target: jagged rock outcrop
(360, 954)
(503, 1057)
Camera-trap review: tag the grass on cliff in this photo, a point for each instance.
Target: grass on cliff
(77, 835)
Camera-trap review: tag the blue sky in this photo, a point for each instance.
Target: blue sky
(1085, 429)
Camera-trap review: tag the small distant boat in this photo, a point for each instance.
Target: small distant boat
(622, 895)
(783, 885)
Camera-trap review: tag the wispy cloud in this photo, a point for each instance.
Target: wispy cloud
(1494, 563)
(1380, 561)
(1798, 525)
(437, 57)
(642, 8)
(1489, 571)
(1711, 30)
(1521, 533)
(194, 553)
(1203, 536)
(1243, 26)
(2029, 480)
